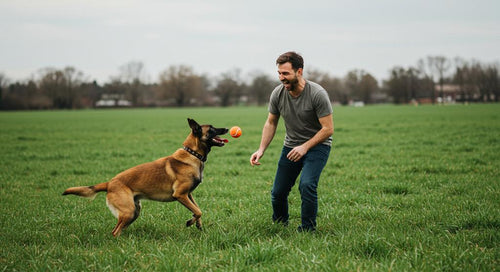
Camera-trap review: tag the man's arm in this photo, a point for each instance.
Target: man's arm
(326, 131)
(267, 136)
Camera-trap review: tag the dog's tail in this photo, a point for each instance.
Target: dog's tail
(87, 191)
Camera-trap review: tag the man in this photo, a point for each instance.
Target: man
(307, 111)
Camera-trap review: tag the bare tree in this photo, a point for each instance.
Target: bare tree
(52, 83)
(425, 68)
(468, 76)
(3, 83)
(489, 82)
(228, 87)
(336, 89)
(495, 79)
(61, 86)
(361, 85)
(3, 80)
(132, 73)
(261, 87)
(334, 86)
(181, 84)
(461, 76)
(368, 87)
(402, 84)
(439, 65)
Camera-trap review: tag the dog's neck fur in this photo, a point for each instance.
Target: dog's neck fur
(195, 147)
(196, 154)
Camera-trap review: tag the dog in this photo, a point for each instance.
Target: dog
(171, 178)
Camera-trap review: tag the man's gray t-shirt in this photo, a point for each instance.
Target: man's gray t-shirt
(301, 114)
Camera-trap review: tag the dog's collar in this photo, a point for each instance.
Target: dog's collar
(196, 154)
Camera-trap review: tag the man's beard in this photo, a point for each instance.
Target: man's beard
(293, 84)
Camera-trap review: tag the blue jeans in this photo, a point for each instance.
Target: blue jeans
(311, 166)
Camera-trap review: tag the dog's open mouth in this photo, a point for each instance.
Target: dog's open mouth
(219, 141)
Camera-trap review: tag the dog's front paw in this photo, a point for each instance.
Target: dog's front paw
(190, 222)
(198, 224)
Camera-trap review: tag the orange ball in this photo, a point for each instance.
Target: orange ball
(235, 132)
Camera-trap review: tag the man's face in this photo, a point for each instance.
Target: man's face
(288, 76)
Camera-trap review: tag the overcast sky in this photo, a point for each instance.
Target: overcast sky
(218, 36)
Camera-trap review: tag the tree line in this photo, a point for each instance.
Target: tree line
(180, 86)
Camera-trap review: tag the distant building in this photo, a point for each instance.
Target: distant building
(113, 100)
(455, 93)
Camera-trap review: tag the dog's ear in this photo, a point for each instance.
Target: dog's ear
(195, 127)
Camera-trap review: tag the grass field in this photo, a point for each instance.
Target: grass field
(405, 189)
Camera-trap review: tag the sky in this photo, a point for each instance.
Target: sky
(224, 36)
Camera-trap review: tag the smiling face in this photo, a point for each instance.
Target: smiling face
(288, 76)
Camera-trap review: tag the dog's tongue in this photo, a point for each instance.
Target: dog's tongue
(220, 140)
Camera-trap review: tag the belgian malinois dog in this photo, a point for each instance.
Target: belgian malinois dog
(167, 179)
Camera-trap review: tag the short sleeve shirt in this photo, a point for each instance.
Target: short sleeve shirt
(301, 114)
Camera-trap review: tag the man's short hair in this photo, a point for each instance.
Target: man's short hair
(295, 59)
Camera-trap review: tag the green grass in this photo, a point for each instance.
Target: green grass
(405, 189)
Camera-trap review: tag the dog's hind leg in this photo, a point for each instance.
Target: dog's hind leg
(123, 207)
(124, 220)
(137, 212)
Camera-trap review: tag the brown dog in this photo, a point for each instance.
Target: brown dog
(167, 179)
